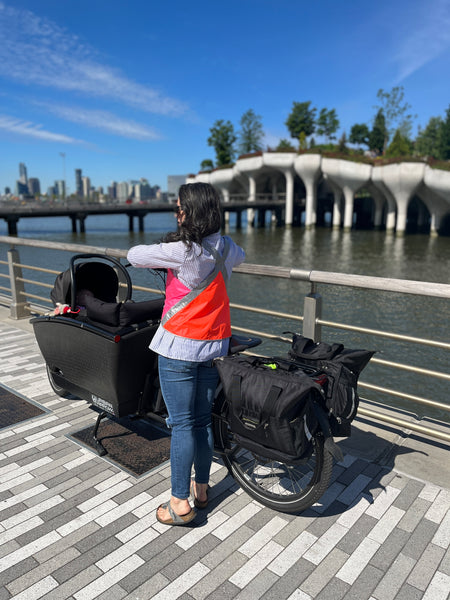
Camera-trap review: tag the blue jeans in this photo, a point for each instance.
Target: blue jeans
(188, 390)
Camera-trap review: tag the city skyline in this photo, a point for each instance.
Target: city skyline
(30, 187)
(120, 91)
(79, 187)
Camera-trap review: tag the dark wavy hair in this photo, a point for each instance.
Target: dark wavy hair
(200, 204)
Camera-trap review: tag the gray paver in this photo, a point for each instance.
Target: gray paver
(388, 552)
(426, 567)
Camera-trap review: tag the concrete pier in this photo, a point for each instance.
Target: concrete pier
(74, 525)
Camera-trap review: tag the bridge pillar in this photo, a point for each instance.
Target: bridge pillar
(12, 224)
(261, 217)
(74, 224)
(141, 223)
(82, 219)
(130, 223)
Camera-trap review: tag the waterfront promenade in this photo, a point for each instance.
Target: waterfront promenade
(75, 525)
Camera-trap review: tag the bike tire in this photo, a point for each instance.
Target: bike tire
(279, 486)
(60, 391)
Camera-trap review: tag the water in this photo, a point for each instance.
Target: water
(417, 257)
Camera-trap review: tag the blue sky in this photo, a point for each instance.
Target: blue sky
(130, 89)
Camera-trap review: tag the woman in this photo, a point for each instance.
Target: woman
(195, 328)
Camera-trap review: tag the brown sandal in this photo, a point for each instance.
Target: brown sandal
(174, 518)
(199, 503)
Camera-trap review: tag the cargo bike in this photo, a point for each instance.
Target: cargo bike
(95, 344)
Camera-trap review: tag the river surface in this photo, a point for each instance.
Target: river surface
(417, 257)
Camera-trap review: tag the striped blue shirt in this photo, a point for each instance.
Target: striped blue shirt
(191, 267)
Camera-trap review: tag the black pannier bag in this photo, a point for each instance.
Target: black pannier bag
(271, 405)
(342, 368)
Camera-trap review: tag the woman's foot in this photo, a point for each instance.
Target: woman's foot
(199, 492)
(175, 512)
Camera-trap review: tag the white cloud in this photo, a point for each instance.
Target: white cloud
(426, 35)
(36, 51)
(104, 121)
(28, 129)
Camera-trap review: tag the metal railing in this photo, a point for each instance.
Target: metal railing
(312, 322)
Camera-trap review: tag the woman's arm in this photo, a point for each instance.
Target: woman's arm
(157, 256)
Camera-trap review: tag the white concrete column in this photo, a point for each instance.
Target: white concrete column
(226, 198)
(337, 214)
(351, 177)
(251, 198)
(311, 204)
(402, 180)
(436, 219)
(307, 166)
(390, 219)
(289, 218)
(349, 202)
(337, 195)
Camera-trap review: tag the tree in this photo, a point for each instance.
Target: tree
(207, 165)
(378, 134)
(251, 133)
(400, 146)
(445, 139)
(342, 147)
(285, 145)
(327, 123)
(429, 140)
(394, 109)
(222, 139)
(301, 120)
(359, 134)
(302, 143)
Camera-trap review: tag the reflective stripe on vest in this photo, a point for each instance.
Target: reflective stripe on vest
(204, 312)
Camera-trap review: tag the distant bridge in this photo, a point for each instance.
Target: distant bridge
(78, 212)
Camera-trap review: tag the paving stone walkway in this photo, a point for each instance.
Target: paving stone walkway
(74, 525)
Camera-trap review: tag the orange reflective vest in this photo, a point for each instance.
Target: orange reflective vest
(204, 312)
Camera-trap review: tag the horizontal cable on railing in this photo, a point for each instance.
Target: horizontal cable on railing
(418, 399)
(268, 336)
(29, 295)
(5, 289)
(5, 276)
(266, 311)
(47, 285)
(388, 363)
(393, 336)
(41, 269)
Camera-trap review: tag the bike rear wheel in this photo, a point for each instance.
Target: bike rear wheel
(277, 485)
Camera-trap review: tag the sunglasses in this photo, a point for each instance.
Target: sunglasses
(177, 210)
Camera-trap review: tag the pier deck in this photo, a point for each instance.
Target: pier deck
(74, 525)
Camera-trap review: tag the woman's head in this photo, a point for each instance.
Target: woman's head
(200, 213)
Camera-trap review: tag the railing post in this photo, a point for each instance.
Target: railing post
(312, 311)
(20, 308)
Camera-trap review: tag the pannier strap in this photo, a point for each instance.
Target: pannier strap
(269, 402)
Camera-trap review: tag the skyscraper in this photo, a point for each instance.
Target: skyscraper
(34, 186)
(78, 182)
(86, 187)
(23, 177)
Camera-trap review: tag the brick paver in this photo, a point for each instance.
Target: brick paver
(75, 526)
